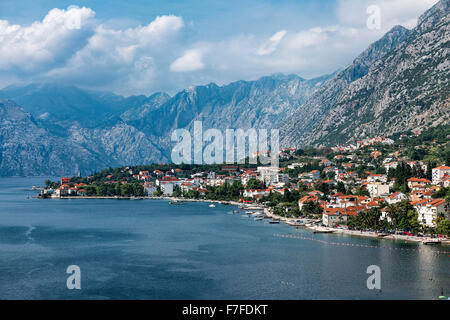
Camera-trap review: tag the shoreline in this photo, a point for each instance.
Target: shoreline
(228, 202)
(267, 211)
(359, 233)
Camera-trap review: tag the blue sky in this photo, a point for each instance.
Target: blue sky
(147, 46)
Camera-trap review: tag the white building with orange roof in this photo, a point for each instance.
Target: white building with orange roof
(428, 210)
(396, 197)
(376, 177)
(414, 182)
(325, 163)
(309, 198)
(391, 165)
(336, 216)
(446, 182)
(439, 173)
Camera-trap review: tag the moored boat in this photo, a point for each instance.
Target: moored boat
(322, 230)
(431, 241)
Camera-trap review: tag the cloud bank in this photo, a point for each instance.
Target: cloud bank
(71, 45)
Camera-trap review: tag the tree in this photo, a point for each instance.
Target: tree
(48, 184)
(91, 190)
(341, 187)
(324, 188)
(126, 190)
(177, 191)
(102, 190)
(311, 208)
(254, 184)
(288, 196)
(430, 166)
(443, 227)
(403, 216)
(157, 192)
(370, 219)
(236, 188)
(117, 188)
(362, 192)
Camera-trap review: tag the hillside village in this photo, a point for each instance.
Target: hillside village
(377, 184)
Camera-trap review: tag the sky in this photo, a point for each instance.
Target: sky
(142, 47)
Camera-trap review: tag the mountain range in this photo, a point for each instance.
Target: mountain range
(399, 83)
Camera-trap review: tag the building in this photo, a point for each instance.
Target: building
(332, 217)
(173, 180)
(325, 163)
(65, 180)
(255, 193)
(272, 175)
(306, 199)
(150, 188)
(439, 173)
(167, 188)
(391, 165)
(377, 189)
(396, 197)
(415, 182)
(428, 210)
(377, 178)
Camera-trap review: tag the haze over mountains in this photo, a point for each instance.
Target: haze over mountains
(400, 82)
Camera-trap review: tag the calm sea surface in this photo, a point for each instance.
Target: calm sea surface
(149, 249)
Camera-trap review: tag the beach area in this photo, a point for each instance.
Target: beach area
(359, 233)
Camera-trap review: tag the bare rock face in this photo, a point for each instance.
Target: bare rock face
(401, 82)
(65, 130)
(27, 149)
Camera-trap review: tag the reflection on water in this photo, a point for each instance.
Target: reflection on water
(152, 250)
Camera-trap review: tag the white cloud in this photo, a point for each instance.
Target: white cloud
(393, 12)
(190, 61)
(44, 43)
(271, 45)
(72, 46)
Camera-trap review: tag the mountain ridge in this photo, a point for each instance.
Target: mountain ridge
(399, 83)
(387, 98)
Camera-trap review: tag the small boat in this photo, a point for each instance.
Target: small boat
(177, 202)
(322, 230)
(296, 223)
(258, 214)
(274, 221)
(212, 205)
(431, 241)
(258, 218)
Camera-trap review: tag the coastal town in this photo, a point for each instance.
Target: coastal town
(380, 186)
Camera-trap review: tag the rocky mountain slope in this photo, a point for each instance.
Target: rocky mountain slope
(399, 83)
(68, 129)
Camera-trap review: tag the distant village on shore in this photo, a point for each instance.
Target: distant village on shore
(377, 183)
